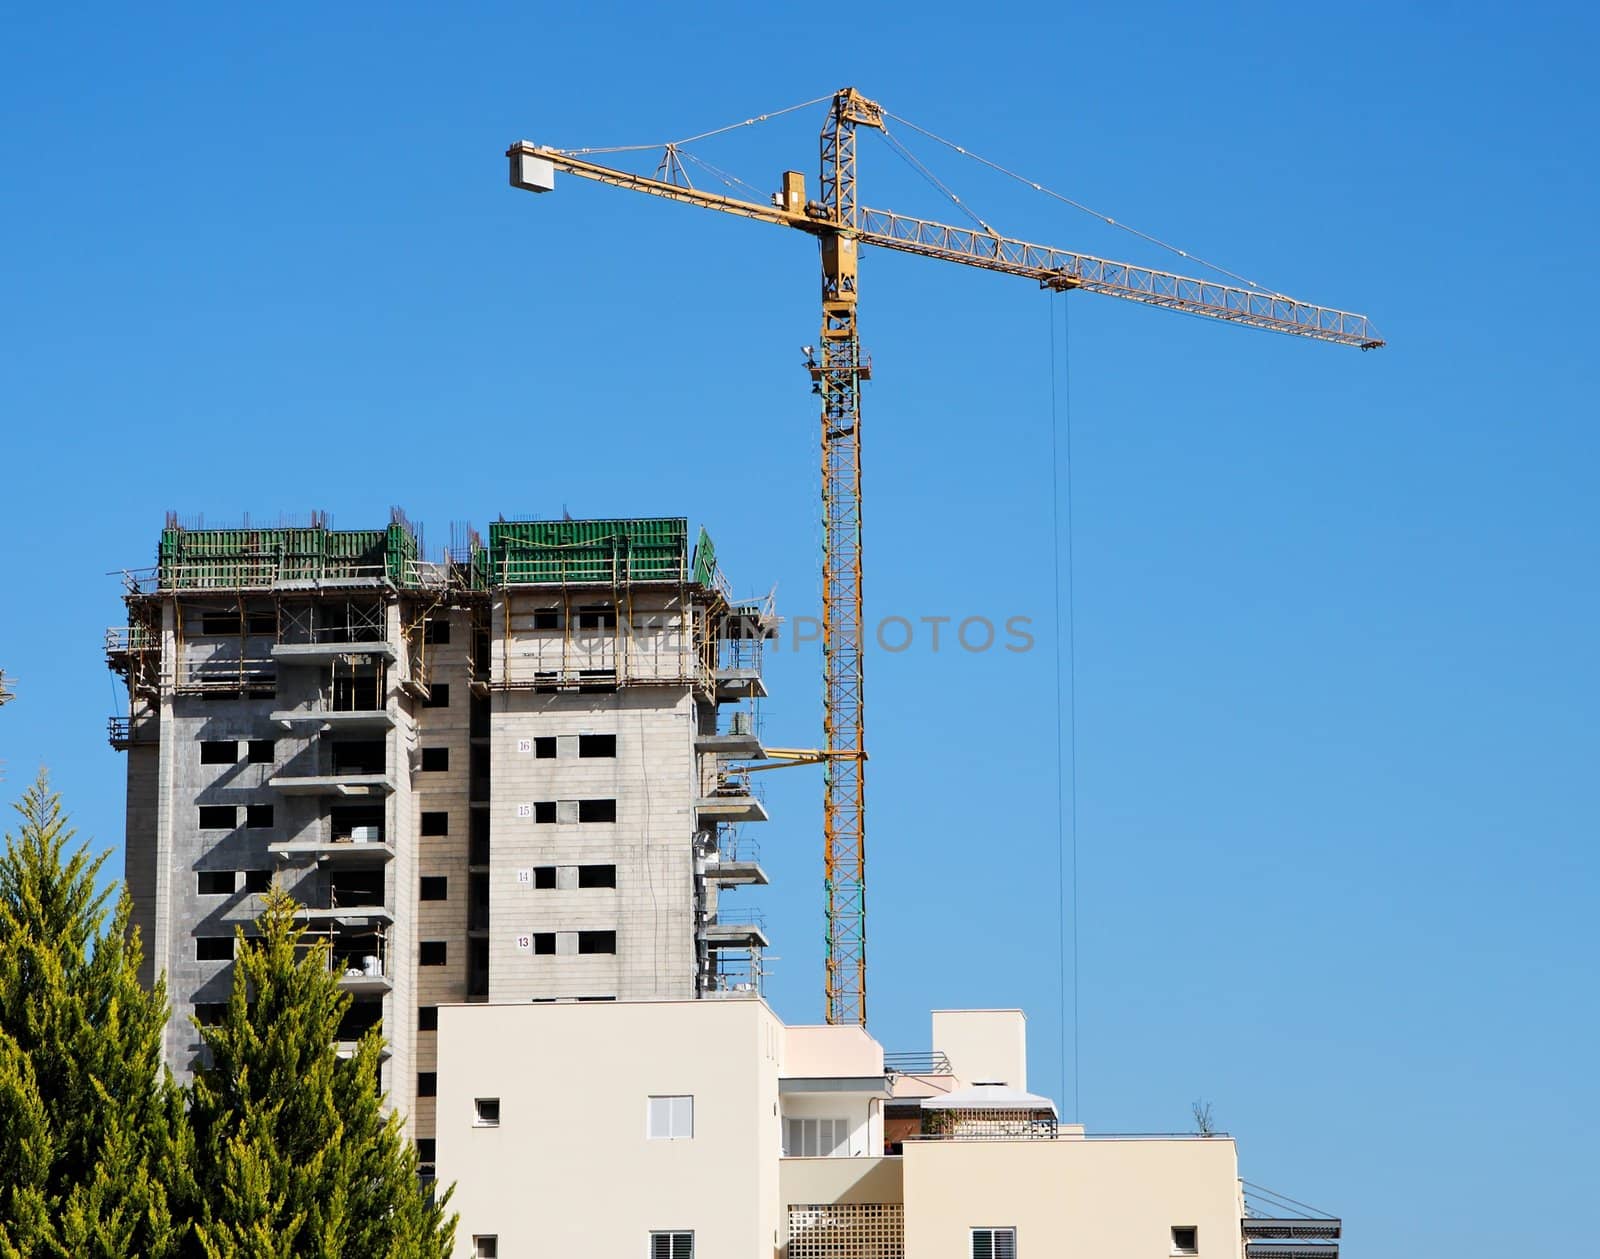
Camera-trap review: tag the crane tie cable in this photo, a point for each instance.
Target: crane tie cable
(912, 160)
(729, 179)
(1078, 205)
(704, 135)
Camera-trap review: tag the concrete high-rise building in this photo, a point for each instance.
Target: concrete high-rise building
(509, 775)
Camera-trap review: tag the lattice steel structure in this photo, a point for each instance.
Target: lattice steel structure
(838, 368)
(839, 377)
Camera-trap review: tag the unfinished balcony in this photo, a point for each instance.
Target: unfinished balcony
(354, 901)
(353, 698)
(354, 924)
(739, 742)
(353, 838)
(351, 768)
(325, 631)
(738, 682)
(735, 933)
(363, 975)
(328, 651)
(735, 873)
(358, 957)
(730, 800)
(347, 785)
(329, 720)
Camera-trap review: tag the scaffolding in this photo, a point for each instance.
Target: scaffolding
(575, 615)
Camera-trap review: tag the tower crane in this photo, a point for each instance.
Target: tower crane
(838, 369)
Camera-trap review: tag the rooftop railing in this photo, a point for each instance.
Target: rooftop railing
(927, 1062)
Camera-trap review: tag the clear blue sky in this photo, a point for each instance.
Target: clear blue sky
(1336, 612)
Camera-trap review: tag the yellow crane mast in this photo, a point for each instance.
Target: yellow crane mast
(838, 369)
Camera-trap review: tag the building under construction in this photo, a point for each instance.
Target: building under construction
(510, 775)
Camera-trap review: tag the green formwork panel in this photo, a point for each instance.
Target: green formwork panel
(579, 552)
(705, 560)
(219, 559)
(400, 554)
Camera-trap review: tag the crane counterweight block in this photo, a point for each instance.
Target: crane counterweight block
(529, 171)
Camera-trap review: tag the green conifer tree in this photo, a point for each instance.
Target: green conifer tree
(89, 1120)
(294, 1155)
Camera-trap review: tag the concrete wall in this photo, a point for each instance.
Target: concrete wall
(654, 779)
(984, 1046)
(820, 1050)
(570, 1168)
(183, 849)
(439, 725)
(806, 1181)
(1072, 1196)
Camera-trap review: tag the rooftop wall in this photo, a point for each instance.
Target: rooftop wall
(830, 1052)
(984, 1046)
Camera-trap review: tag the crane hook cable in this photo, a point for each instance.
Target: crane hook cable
(1064, 837)
(1078, 205)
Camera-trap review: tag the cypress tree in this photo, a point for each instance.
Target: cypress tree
(294, 1155)
(89, 1120)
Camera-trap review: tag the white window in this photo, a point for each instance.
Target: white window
(994, 1243)
(486, 1246)
(678, 1245)
(1185, 1239)
(671, 1119)
(816, 1138)
(486, 1112)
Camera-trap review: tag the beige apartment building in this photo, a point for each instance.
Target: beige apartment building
(711, 1130)
(510, 775)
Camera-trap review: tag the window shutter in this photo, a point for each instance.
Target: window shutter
(660, 1122)
(994, 1243)
(672, 1245)
(683, 1116)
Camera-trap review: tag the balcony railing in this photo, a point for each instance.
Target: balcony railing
(123, 732)
(977, 1126)
(121, 639)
